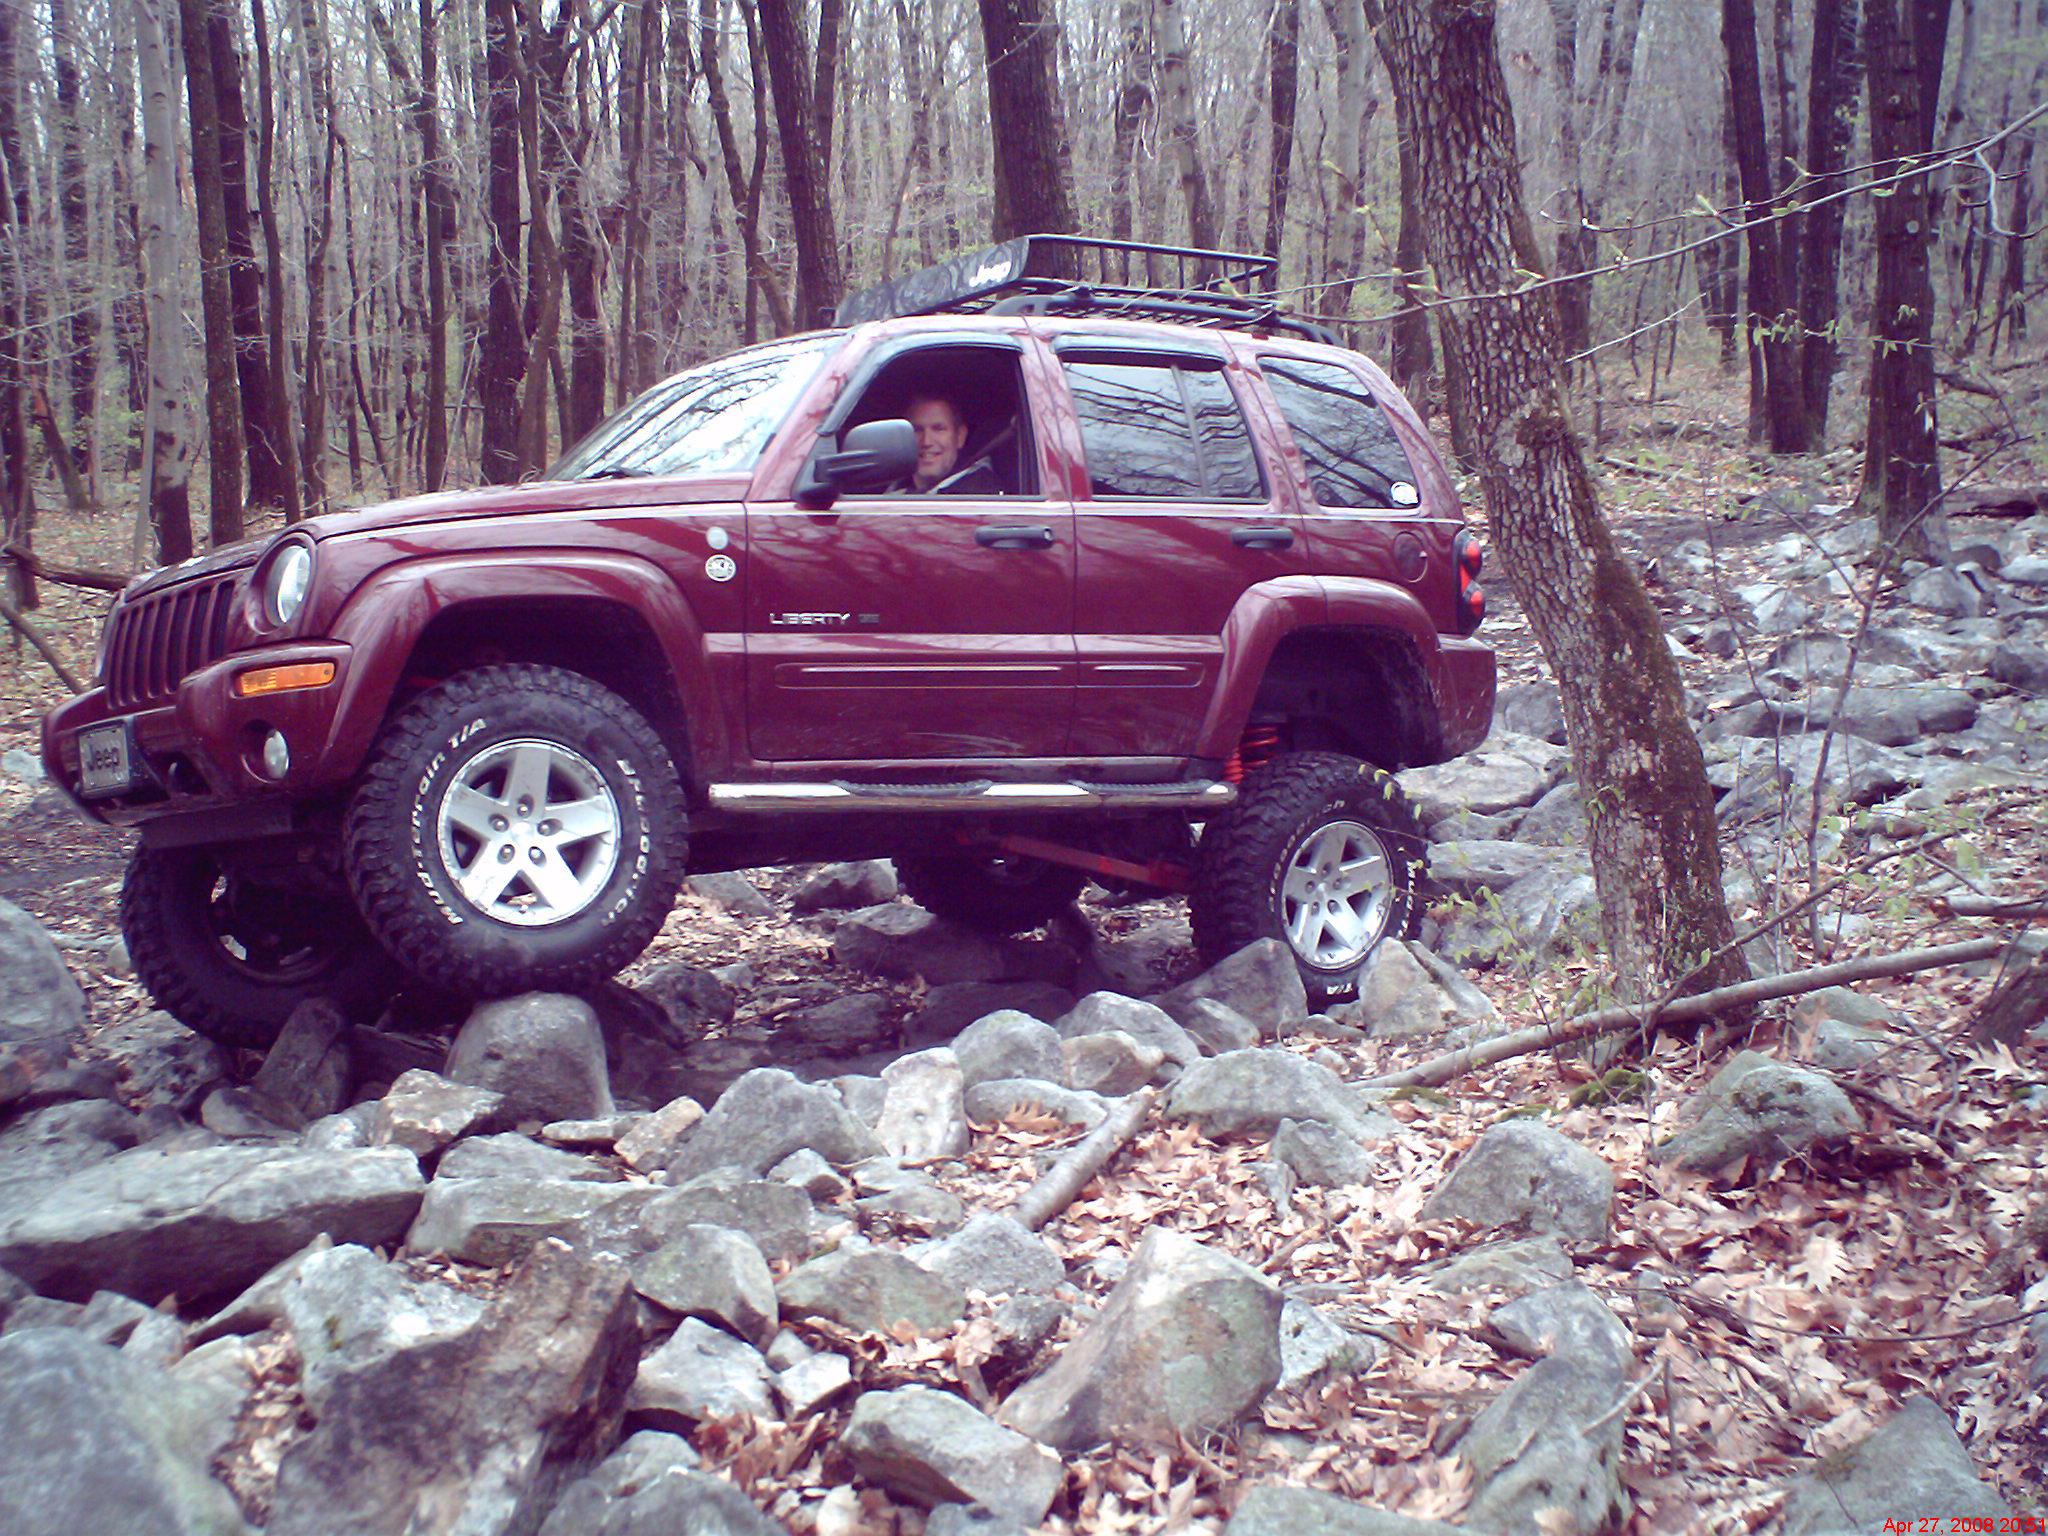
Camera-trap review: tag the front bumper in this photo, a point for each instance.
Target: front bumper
(200, 754)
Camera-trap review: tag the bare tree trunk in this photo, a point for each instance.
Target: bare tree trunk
(1283, 58)
(17, 493)
(745, 192)
(1027, 120)
(319, 72)
(1575, 247)
(1830, 126)
(278, 382)
(1903, 47)
(502, 359)
(1355, 107)
(825, 79)
(1180, 118)
(81, 329)
(223, 399)
(1656, 858)
(170, 429)
(1133, 101)
(1414, 357)
(803, 170)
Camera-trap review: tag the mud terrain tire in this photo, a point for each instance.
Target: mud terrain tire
(1308, 818)
(570, 907)
(232, 960)
(996, 895)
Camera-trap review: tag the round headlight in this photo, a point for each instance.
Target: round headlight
(289, 580)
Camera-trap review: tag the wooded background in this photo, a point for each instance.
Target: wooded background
(281, 253)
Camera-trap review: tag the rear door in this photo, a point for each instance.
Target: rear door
(1177, 519)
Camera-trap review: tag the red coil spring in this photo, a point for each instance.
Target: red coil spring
(1259, 745)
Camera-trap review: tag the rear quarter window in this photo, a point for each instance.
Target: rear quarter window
(1354, 457)
(1161, 431)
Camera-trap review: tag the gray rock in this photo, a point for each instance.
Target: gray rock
(1760, 775)
(544, 1052)
(763, 1118)
(601, 1135)
(308, 1069)
(716, 1274)
(905, 942)
(1558, 820)
(811, 1174)
(1217, 1027)
(49, 1144)
(655, 1140)
(1187, 1343)
(995, 1254)
(109, 1318)
(1023, 1326)
(700, 1373)
(38, 998)
(1248, 1093)
(339, 1133)
(1534, 920)
(1470, 868)
(1111, 1064)
(237, 1114)
(1008, 1044)
(949, 1009)
(204, 1222)
(732, 891)
(95, 1442)
(691, 1000)
(925, 1114)
(1757, 1107)
(922, 1208)
(832, 887)
(969, 1520)
(1311, 1346)
(222, 1375)
(812, 1381)
(1002, 1097)
(1532, 1455)
(932, 1448)
(472, 1433)
(1895, 716)
(497, 1221)
(1260, 981)
(1136, 963)
(424, 1113)
(1275, 1509)
(1914, 1460)
(1564, 1319)
(1101, 1012)
(2022, 665)
(1530, 709)
(511, 1156)
(1506, 773)
(864, 1095)
(1319, 1155)
(1523, 1174)
(160, 1062)
(779, 1218)
(349, 1311)
(648, 1487)
(1406, 990)
(1944, 591)
(844, 1024)
(872, 1290)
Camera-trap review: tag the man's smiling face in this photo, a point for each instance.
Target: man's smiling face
(941, 434)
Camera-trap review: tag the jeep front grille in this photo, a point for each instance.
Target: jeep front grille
(156, 641)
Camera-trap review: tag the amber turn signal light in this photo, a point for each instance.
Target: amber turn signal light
(301, 674)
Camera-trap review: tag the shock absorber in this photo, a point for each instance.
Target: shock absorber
(1259, 745)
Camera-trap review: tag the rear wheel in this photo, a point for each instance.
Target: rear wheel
(231, 955)
(1321, 852)
(1002, 893)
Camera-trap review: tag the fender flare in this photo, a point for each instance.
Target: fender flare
(385, 617)
(1269, 611)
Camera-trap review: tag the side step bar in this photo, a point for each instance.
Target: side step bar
(975, 795)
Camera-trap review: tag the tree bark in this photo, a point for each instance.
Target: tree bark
(1903, 46)
(1180, 118)
(745, 193)
(501, 360)
(81, 328)
(223, 397)
(17, 492)
(319, 240)
(169, 428)
(803, 169)
(1133, 101)
(1283, 59)
(1656, 856)
(1575, 246)
(1027, 120)
(1830, 127)
(278, 382)
(2016, 1009)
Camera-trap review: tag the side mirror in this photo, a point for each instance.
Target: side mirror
(871, 457)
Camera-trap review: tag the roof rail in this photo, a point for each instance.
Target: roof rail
(1074, 275)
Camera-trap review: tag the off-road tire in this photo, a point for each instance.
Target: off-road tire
(175, 906)
(1245, 854)
(1019, 896)
(392, 853)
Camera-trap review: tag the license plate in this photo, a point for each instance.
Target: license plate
(103, 766)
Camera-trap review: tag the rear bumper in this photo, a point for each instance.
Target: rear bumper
(199, 755)
(1464, 693)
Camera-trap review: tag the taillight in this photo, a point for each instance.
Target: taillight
(1470, 559)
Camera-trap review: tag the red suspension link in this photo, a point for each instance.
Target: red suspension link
(1259, 745)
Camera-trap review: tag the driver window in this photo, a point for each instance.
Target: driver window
(973, 424)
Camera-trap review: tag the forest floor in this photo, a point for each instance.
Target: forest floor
(1800, 1305)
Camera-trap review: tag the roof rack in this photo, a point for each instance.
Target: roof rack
(1073, 275)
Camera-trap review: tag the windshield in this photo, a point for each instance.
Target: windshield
(712, 420)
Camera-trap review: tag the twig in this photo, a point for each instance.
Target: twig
(1838, 1335)
(2017, 909)
(1635, 1391)
(1066, 1178)
(34, 636)
(1603, 1021)
(66, 575)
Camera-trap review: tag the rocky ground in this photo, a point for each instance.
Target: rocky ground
(760, 1239)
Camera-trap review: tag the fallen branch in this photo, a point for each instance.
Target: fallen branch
(1997, 501)
(67, 575)
(1064, 1181)
(2020, 907)
(1607, 1021)
(22, 626)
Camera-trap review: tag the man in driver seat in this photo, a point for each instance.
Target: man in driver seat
(941, 433)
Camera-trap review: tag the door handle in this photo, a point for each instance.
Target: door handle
(1014, 536)
(1262, 538)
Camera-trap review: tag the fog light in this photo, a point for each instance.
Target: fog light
(277, 756)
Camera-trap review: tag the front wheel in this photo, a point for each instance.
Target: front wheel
(1321, 852)
(231, 955)
(518, 828)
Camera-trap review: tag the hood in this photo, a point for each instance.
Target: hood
(228, 557)
(536, 497)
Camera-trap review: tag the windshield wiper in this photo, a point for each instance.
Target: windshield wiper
(618, 472)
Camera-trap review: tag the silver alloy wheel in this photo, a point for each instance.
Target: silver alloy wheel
(529, 832)
(1337, 895)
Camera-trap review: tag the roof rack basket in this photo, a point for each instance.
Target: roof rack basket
(1073, 275)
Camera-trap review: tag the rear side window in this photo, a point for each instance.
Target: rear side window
(1354, 459)
(1163, 432)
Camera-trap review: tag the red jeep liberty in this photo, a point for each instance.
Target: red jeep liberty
(1197, 586)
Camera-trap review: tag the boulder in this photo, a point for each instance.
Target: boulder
(1103, 1012)
(779, 1218)
(91, 1441)
(907, 943)
(864, 1094)
(1278, 1509)
(39, 1001)
(2023, 665)
(1471, 867)
(841, 1025)
(931, 1447)
(716, 1274)
(831, 887)
(1534, 710)
(763, 1118)
(160, 1063)
(46, 1145)
(1540, 1466)
(1218, 1027)
(871, 1290)
(1187, 1343)
(925, 1114)
(497, 1221)
(691, 1001)
(205, 1222)
(1913, 1461)
(349, 1311)
(544, 1052)
(733, 891)
(993, 1253)
(812, 1381)
(1248, 1093)
(949, 1009)
(600, 1135)
(1406, 990)
(1558, 820)
(1260, 981)
(509, 1155)
(1003, 1097)
(1539, 917)
(424, 1113)
(1319, 1155)
(655, 1140)
(308, 1069)
(1520, 1173)
(1312, 1345)
(1508, 772)
(811, 1174)
(700, 1373)
(1564, 1319)
(648, 1486)
(1138, 962)
(1111, 1064)
(1008, 1044)
(1757, 1107)
(475, 1432)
